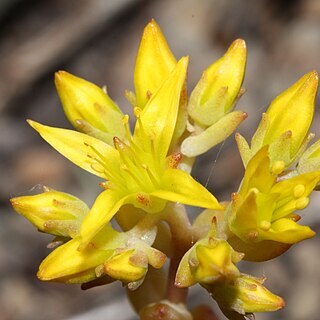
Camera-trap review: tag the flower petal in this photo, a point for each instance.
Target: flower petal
(158, 118)
(66, 263)
(179, 186)
(286, 231)
(77, 146)
(258, 174)
(154, 63)
(294, 193)
(105, 207)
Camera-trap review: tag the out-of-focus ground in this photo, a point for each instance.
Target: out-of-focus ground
(98, 40)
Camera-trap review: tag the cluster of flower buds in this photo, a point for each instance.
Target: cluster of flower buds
(147, 181)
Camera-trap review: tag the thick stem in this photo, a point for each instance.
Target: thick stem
(182, 240)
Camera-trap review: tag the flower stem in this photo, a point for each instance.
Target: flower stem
(182, 240)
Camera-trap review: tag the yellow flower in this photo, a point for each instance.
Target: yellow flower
(209, 260)
(52, 212)
(286, 123)
(212, 100)
(265, 207)
(138, 170)
(121, 256)
(245, 295)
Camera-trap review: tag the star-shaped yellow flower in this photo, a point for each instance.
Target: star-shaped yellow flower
(263, 213)
(138, 170)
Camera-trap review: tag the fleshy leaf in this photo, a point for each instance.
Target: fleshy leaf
(219, 131)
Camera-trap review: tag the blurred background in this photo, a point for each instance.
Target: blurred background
(97, 40)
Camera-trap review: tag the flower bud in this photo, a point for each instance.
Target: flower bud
(212, 101)
(127, 266)
(52, 212)
(214, 262)
(208, 261)
(245, 295)
(286, 123)
(216, 92)
(89, 108)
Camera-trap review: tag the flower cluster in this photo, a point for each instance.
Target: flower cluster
(146, 183)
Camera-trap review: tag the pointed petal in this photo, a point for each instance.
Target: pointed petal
(219, 131)
(287, 231)
(154, 63)
(66, 263)
(158, 118)
(244, 219)
(258, 174)
(294, 193)
(105, 207)
(77, 146)
(184, 277)
(179, 186)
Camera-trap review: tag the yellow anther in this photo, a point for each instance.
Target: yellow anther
(265, 225)
(299, 190)
(137, 111)
(125, 119)
(254, 190)
(278, 167)
(302, 203)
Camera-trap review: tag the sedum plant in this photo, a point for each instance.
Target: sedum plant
(147, 183)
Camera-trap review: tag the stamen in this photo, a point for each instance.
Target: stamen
(125, 121)
(174, 160)
(302, 203)
(152, 177)
(137, 111)
(278, 167)
(299, 190)
(149, 94)
(136, 179)
(265, 225)
(100, 160)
